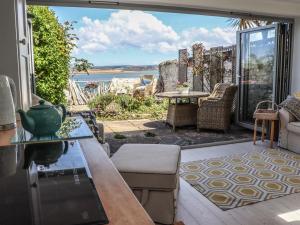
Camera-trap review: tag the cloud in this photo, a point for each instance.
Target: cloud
(143, 30)
(210, 38)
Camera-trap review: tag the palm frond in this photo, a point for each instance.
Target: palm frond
(242, 23)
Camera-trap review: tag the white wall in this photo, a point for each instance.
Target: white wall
(295, 87)
(8, 48)
(12, 17)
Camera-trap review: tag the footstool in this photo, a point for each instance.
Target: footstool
(151, 171)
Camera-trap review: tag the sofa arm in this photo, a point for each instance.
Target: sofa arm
(285, 118)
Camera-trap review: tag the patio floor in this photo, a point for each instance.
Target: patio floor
(157, 132)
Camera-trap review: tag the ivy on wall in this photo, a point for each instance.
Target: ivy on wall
(53, 43)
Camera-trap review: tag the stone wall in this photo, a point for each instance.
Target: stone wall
(168, 76)
(216, 65)
(219, 66)
(182, 66)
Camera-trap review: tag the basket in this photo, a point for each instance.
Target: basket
(266, 114)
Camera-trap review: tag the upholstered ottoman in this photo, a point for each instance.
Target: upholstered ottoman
(151, 171)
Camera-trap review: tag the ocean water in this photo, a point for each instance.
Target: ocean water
(106, 77)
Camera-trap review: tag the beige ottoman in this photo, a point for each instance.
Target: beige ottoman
(151, 171)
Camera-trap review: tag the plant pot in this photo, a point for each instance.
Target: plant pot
(183, 90)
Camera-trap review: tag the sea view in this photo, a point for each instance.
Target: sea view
(109, 76)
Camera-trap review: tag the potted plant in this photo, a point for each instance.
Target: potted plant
(182, 87)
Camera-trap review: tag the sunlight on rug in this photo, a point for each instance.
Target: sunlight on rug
(244, 179)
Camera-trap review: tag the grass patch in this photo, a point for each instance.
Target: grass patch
(125, 107)
(119, 136)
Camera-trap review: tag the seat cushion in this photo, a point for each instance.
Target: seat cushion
(292, 105)
(148, 165)
(294, 127)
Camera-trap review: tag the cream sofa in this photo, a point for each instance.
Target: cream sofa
(289, 135)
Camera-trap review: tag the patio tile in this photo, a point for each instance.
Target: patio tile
(145, 124)
(121, 126)
(135, 130)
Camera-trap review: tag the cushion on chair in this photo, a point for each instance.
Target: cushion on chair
(292, 105)
(294, 127)
(148, 165)
(219, 90)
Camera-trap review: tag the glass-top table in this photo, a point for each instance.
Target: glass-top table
(72, 128)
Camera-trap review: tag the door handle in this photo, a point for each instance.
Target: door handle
(23, 41)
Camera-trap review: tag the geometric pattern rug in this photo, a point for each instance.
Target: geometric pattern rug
(243, 179)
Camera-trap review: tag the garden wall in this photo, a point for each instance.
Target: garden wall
(202, 71)
(168, 76)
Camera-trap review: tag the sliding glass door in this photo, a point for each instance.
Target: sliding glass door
(257, 69)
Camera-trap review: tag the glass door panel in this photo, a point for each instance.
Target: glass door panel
(257, 70)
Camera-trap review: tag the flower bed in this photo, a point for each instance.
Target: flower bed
(124, 107)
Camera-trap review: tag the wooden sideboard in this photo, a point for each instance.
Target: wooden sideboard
(120, 204)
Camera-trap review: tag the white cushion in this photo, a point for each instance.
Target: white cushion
(148, 165)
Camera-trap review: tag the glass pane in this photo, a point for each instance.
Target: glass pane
(257, 70)
(72, 128)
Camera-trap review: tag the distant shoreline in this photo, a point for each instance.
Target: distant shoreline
(101, 71)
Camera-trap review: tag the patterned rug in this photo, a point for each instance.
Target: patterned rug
(244, 179)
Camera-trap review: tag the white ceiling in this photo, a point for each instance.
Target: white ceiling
(283, 8)
(277, 8)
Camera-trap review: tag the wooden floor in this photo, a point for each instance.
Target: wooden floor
(195, 209)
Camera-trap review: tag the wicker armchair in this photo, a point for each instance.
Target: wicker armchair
(214, 111)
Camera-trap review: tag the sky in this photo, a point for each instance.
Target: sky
(132, 37)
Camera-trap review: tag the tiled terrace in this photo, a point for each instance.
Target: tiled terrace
(156, 131)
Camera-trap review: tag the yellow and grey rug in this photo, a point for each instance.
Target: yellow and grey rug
(244, 179)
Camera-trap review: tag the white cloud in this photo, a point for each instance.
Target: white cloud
(210, 38)
(143, 30)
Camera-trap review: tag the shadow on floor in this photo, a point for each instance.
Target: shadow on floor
(157, 132)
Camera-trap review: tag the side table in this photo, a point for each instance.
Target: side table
(265, 115)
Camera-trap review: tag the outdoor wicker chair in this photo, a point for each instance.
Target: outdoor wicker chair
(214, 112)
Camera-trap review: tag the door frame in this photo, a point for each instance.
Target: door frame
(238, 69)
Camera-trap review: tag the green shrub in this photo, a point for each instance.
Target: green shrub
(149, 101)
(53, 43)
(128, 102)
(100, 102)
(128, 107)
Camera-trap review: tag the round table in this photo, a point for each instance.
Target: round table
(182, 114)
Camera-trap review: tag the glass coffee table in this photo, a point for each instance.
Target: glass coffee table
(73, 128)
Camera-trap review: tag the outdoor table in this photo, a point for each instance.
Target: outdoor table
(180, 113)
